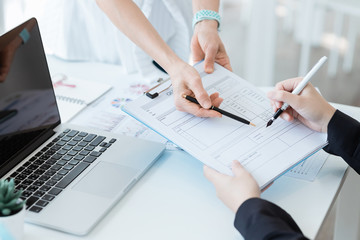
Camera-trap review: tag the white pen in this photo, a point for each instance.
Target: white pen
(299, 88)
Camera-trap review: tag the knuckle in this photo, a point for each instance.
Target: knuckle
(179, 106)
(212, 48)
(278, 85)
(280, 95)
(201, 95)
(199, 113)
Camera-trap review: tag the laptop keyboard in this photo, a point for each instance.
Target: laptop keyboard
(55, 166)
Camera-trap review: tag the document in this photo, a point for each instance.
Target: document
(308, 169)
(266, 153)
(105, 114)
(73, 95)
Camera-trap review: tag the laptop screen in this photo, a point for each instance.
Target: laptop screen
(28, 107)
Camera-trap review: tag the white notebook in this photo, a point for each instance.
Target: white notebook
(265, 152)
(73, 95)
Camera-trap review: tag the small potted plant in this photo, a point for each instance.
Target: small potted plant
(11, 211)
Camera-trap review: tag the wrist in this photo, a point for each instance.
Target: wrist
(167, 59)
(207, 24)
(173, 65)
(202, 15)
(327, 117)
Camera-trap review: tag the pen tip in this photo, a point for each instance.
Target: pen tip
(269, 123)
(252, 124)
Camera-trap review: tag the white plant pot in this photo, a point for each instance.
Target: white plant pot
(12, 227)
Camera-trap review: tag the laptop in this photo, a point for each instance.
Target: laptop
(71, 176)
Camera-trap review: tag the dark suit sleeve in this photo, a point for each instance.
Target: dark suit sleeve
(259, 219)
(344, 139)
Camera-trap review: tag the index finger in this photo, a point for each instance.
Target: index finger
(200, 93)
(197, 110)
(289, 84)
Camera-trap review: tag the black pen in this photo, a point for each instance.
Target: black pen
(225, 113)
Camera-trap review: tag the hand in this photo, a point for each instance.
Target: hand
(7, 56)
(186, 81)
(233, 191)
(7, 53)
(309, 106)
(207, 44)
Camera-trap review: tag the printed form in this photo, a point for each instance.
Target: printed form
(265, 152)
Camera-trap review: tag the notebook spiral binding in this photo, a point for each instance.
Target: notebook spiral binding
(72, 100)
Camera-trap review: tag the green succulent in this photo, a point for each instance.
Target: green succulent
(10, 201)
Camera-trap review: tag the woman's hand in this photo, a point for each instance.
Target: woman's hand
(186, 81)
(309, 106)
(233, 191)
(206, 44)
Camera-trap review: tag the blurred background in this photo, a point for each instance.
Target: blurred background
(269, 41)
(272, 40)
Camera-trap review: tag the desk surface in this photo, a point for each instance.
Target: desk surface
(175, 201)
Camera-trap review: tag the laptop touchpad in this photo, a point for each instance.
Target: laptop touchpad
(106, 180)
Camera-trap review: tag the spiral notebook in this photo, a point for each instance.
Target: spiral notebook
(73, 94)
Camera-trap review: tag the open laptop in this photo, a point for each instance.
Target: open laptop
(71, 175)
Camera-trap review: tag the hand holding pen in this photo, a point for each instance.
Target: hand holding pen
(301, 85)
(309, 107)
(223, 112)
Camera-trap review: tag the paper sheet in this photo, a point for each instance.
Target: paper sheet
(105, 114)
(265, 152)
(308, 169)
(73, 95)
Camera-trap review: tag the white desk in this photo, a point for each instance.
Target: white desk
(174, 200)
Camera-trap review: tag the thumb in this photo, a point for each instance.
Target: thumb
(237, 168)
(201, 95)
(283, 96)
(212, 175)
(209, 61)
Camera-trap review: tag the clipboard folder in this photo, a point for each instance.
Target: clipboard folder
(265, 153)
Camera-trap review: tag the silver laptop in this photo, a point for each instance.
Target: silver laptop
(71, 176)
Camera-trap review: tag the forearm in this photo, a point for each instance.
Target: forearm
(205, 4)
(129, 19)
(259, 219)
(212, 5)
(344, 139)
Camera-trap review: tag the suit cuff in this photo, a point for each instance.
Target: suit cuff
(260, 219)
(342, 129)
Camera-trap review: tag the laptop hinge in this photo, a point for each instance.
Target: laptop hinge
(26, 151)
